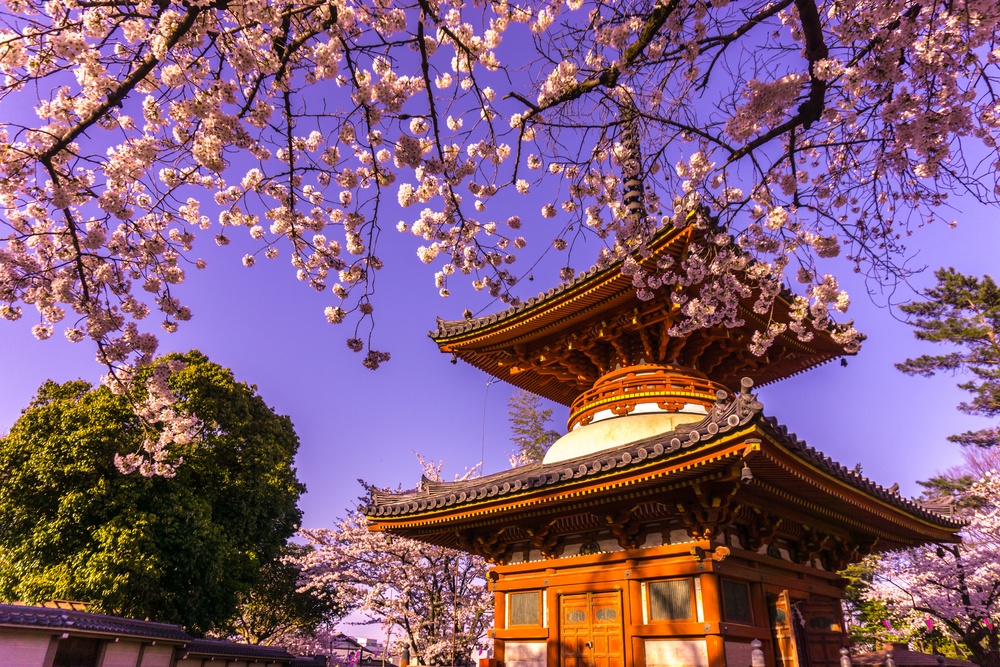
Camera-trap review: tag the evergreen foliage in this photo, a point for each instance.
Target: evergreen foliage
(962, 311)
(177, 550)
(285, 603)
(529, 427)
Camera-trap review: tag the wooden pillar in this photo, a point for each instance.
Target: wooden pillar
(102, 651)
(499, 610)
(555, 620)
(711, 600)
(499, 622)
(50, 652)
(635, 653)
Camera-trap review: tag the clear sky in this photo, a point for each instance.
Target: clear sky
(355, 423)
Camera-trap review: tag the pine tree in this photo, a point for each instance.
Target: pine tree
(529, 427)
(963, 311)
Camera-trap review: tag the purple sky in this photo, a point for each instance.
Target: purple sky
(355, 423)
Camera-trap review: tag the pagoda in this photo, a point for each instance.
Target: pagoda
(674, 523)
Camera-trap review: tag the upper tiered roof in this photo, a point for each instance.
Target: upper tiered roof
(560, 342)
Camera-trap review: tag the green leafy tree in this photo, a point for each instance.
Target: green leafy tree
(866, 616)
(286, 603)
(963, 311)
(176, 550)
(529, 427)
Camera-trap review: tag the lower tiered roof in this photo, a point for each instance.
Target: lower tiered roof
(679, 474)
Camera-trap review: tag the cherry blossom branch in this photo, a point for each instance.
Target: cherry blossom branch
(608, 77)
(119, 94)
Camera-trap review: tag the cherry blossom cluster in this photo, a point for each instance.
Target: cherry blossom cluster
(787, 133)
(430, 600)
(168, 425)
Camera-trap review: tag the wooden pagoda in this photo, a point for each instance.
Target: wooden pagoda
(674, 523)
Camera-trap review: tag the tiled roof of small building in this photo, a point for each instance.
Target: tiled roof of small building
(222, 647)
(726, 416)
(70, 620)
(44, 617)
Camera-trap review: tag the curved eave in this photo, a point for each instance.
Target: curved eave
(493, 364)
(894, 520)
(588, 291)
(563, 491)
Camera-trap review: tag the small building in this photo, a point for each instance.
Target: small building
(346, 650)
(67, 637)
(674, 523)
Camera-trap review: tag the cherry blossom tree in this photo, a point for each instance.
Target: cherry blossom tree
(951, 588)
(784, 131)
(436, 598)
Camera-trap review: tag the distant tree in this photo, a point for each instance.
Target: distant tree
(438, 598)
(286, 603)
(949, 591)
(178, 550)
(323, 640)
(529, 427)
(963, 311)
(950, 488)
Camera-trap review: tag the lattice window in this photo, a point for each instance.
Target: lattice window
(670, 600)
(736, 602)
(524, 609)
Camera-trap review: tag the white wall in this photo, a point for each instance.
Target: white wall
(19, 648)
(157, 656)
(120, 654)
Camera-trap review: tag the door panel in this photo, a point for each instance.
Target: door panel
(591, 630)
(783, 635)
(824, 633)
(806, 634)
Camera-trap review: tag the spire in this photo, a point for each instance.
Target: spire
(631, 157)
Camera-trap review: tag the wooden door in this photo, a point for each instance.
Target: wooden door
(806, 634)
(591, 630)
(785, 632)
(823, 627)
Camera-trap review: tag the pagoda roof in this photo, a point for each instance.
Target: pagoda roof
(558, 343)
(787, 474)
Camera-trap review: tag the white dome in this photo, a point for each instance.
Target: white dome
(611, 433)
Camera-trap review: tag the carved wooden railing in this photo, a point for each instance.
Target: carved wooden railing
(670, 388)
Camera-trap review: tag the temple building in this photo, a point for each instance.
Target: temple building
(674, 523)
